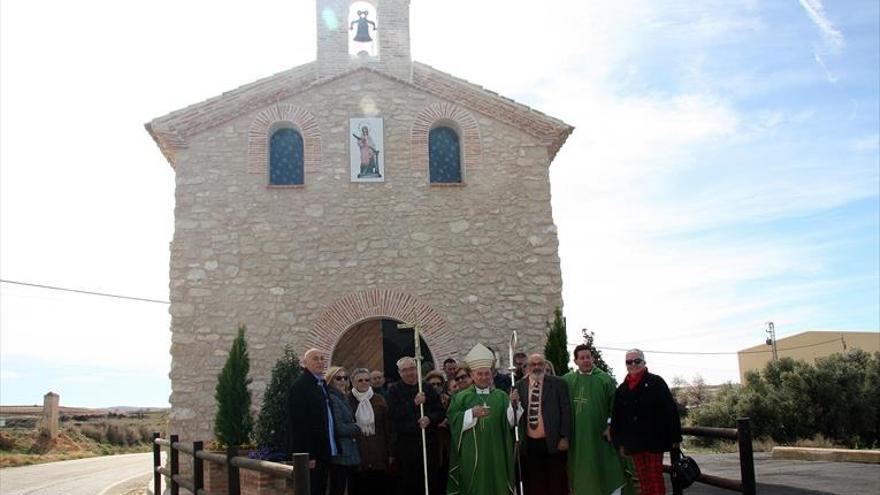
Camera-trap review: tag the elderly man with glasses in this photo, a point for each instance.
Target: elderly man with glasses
(645, 422)
(545, 428)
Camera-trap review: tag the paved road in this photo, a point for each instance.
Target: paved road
(777, 477)
(110, 475)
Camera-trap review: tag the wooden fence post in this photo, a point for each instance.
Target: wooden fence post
(198, 467)
(175, 465)
(234, 480)
(157, 463)
(746, 456)
(301, 474)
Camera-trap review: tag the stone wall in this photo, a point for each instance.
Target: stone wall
(481, 257)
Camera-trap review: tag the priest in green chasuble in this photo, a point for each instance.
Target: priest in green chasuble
(594, 465)
(481, 419)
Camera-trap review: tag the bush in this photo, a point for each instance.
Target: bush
(233, 423)
(272, 421)
(790, 400)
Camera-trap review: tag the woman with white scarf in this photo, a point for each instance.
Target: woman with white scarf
(374, 442)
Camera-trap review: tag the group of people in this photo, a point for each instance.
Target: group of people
(578, 434)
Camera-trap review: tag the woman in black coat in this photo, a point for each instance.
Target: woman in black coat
(645, 422)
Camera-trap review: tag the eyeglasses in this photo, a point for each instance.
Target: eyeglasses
(633, 361)
(340, 378)
(460, 378)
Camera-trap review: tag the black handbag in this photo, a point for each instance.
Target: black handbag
(685, 471)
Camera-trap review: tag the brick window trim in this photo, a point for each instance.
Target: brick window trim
(278, 117)
(459, 119)
(376, 304)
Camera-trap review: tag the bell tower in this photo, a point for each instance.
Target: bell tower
(371, 33)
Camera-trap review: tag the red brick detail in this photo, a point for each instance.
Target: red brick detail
(284, 115)
(216, 478)
(463, 122)
(256, 483)
(380, 304)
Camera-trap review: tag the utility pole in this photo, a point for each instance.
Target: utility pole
(771, 340)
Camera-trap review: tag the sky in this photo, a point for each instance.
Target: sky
(724, 170)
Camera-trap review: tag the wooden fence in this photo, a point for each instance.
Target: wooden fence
(298, 472)
(743, 435)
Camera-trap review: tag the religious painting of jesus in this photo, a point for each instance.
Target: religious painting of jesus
(366, 145)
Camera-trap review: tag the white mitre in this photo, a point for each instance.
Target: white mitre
(479, 357)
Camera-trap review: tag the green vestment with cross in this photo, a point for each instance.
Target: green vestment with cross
(480, 458)
(594, 466)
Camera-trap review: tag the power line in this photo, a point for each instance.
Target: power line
(91, 293)
(719, 353)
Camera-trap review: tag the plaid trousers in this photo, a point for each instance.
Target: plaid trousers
(649, 468)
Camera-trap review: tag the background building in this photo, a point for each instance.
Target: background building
(806, 346)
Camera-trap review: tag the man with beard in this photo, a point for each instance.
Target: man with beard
(404, 400)
(545, 429)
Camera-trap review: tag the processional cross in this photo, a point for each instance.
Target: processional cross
(416, 327)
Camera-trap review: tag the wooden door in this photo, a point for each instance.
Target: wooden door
(360, 347)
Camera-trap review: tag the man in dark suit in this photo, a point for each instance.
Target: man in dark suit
(545, 428)
(310, 420)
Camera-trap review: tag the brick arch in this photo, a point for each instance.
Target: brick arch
(373, 304)
(262, 126)
(469, 134)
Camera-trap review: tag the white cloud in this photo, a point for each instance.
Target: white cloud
(867, 143)
(7, 374)
(816, 11)
(828, 75)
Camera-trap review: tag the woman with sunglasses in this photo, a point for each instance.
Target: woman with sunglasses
(462, 378)
(374, 441)
(645, 422)
(347, 457)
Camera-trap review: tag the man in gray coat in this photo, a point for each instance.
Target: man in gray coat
(545, 428)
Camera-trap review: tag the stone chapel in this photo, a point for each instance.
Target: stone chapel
(323, 205)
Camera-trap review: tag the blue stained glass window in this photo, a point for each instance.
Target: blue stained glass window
(286, 158)
(444, 153)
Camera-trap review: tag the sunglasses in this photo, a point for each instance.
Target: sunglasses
(461, 378)
(435, 384)
(634, 361)
(340, 378)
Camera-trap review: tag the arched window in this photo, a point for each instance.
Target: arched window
(286, 158)
(444, 152)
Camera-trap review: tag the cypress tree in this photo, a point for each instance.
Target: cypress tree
(271, 423)
(233, 424)
(556, 348)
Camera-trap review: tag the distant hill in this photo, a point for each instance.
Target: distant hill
(36, 410)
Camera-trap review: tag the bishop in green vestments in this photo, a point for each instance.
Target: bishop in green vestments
(481, 422)
(594, 465)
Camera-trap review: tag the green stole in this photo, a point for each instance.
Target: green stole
(481, 458)
(594, 466)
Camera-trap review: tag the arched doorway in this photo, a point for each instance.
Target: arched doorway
(338, 331)
(377, 344)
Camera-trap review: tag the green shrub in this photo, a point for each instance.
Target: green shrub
(233, 423)
(272, 420)
(556, 348)
(838, 398)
